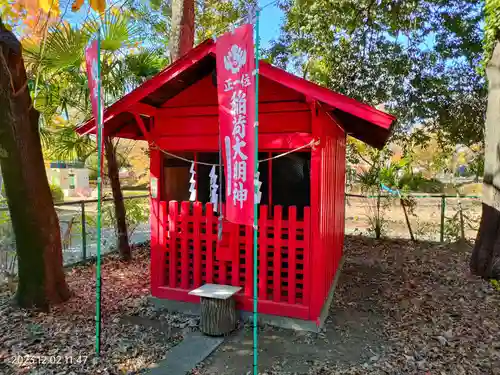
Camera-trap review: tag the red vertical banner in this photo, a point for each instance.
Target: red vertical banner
(236, 93)
(92, 61)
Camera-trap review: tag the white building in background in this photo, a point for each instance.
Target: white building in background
(72, 178)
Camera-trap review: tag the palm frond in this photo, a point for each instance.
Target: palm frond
(64, 48)
(117, 31)
(68, 145)
(145, 64)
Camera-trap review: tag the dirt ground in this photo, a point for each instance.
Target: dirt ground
(400, 308)
(425, 218)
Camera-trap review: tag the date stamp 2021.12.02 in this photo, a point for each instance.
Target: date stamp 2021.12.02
(23, 360)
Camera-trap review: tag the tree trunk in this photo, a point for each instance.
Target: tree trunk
(120, 213)
(182, 32)
(34, 220)
(485, 260)
(218, 316)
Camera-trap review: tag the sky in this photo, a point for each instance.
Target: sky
(271, 20)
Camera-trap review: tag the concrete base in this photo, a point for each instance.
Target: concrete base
(189, 308)
(193, 309)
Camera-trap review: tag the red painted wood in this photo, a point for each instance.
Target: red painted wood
(170, 72)
(278, 210)
(144, 109)
(273, 122)
(142, 127)
(222, 272)
(213, 110)
(263, 252)
(235, 256)
(156, 267)
(162, 242)
(242, 302)
(272, 308)
(173, 213)
(203, 143)
(210, 242)
(268, 227)
(317, 278)
(322, 94)
(197, 218)
(307, 255)
(270, 179)
(248, 261)
(292, 217)
(184, 245)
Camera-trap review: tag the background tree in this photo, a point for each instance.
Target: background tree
(419, 58)
(64, 90)
(34, 220)
(182, 30)
(211, 17)
(485, 260)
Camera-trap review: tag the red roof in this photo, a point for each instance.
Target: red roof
(359, 120)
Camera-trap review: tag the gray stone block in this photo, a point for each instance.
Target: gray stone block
(184, 357)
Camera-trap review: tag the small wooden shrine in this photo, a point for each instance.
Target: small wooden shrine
(301, 215)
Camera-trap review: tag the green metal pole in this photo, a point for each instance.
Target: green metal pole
(443, 208)
(99, 194)
(84, 232)
(255, 207)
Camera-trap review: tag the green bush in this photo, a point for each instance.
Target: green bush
(417, 182)
(57, 193)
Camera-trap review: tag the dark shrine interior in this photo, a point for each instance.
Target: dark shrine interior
(285, 179)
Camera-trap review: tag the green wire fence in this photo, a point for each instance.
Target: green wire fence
(77, 221)
(428, 217)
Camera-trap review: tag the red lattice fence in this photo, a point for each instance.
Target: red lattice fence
(193, 255)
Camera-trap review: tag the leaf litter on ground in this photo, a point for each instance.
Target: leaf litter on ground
(63, 340)
(436, 317)
(428, 313)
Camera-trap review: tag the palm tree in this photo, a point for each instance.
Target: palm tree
(63, 90)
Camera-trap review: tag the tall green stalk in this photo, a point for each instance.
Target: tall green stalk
(99, 202)
(256, 187)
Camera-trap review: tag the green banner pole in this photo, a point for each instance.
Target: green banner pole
(99, 195)
(256, 190)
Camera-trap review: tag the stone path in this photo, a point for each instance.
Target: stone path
(184, 357)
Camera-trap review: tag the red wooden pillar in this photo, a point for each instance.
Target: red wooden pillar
(157, 248)
(317, 275)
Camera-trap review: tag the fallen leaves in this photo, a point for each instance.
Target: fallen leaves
(438, 318)
(63, 341)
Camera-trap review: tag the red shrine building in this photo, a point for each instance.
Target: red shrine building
(301, 213)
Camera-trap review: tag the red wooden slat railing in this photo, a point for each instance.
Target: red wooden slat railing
(197, 217)
(209, 243)
(235, 256)
(263, 252)
(292, 235)
(158, 261)
(278, 210)
(184, 245)
(248, 261)
(306, 268)
(172, 230)
(284, 275)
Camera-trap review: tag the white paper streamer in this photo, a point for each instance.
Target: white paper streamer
(214, 188)
(258, 184)
(192, 181)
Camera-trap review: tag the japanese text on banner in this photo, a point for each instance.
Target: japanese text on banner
(236, 93)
